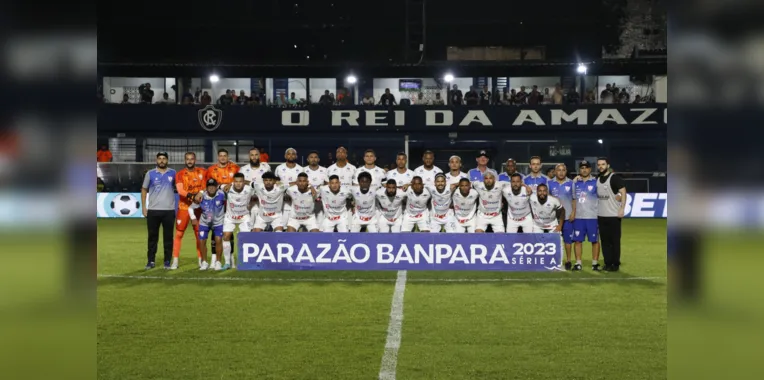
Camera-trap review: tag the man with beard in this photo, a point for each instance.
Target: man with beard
(489, 207)
(189, 182)
(401, 175)
(377, 173)
(442, 216)
(342, 168)
(365, 207)
(510, 169)
(253, 173)
(303, 203)
(237, 213)
(561, 187)
(390, 201)
(465, 206)
(585, 214)
(518, 206)
(417, 211)
(428, 170)
(270, 197)
(212, 204)
(335, 200)
(455, 173)
(160, 211)
(611, 194)
(535, 178)
(287, 173)
(548, 214)
(222, 173)
(316, 178)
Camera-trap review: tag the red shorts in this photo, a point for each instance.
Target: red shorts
(183, 219)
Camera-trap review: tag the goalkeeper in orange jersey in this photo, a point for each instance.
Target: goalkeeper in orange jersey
(189, 182)
(222, 172)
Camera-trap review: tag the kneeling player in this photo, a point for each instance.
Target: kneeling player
(417, 211)
(519, 205)
(442, 216)
(390, 201)
(270, 196)
(365, 209)
(335, 199)
(213, 215)
(465, 205)
(236, 214)
(548, 213)
(303, 205)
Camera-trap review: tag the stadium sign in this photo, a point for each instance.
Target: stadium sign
(408, 251)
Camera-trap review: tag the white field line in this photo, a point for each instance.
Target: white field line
(393, 343)
(435, 280)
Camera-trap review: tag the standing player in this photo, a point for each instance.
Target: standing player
(377, 173)
(465, 206)
(270, 196)
(160, 210)
(189, 182)
(222, 173)
(336, 200)
(342, 168)
(585, 215)
(287, 173)
(561, 187)
(253, 173)
(417, 211)
(535, 178)
(548, 214)
(611, 194)
(518, 205)
(316, 177)
(489, 206)
(550, 173)
(303, 204)
(476, 175)
(239, 197)
(510, 168)
(428, 170)
(455, 173)
(365, 207)
(213, 216)
(442, 216)
(402, 175)
(390, 201)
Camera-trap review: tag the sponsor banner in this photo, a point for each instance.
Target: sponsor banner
(409, 251)
(121, 205)
(646, 205)
(148, 119)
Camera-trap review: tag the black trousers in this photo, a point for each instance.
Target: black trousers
(610, 239)
(165, 219)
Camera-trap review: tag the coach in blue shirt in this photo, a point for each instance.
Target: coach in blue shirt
(159, 183)
(476, 174)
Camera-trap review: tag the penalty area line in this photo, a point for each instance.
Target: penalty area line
(419, 280)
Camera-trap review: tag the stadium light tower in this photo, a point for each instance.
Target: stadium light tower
(351, 79)
(581, 69)
(214, 78)
(448, 78)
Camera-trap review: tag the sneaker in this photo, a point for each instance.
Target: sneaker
(567, 265)
(226, 267)
(233, 265)
(607, 268)
(614, 268)
(577, 267)
(150, 265)
(167, 264)
(596, 267)
(204, 266)
(174, 265)
(218, 265)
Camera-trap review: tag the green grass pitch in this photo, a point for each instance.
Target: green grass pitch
(304, 325)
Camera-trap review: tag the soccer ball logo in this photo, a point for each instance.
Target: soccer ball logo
(125, 205)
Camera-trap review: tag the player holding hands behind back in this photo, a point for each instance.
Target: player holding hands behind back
(213, 216)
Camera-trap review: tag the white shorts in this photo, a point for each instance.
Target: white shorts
(539, 229)
(358, 222)
(514, 224)
(285, 214)
(387, 225)
(275, 220)
(244, 223)
(421, 221)
(465, 225)
(330, 222)
(445, 221)
(309, 222)
(482, 222)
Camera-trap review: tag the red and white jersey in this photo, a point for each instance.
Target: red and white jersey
(454, 179)
(335, 204)
(286, 174)
(465, 206)
(490, 200)
(428, 176)
(416, 204)
(545, 215)
(365, 204)
(441, 202)
(237, 203)
(401, 179)
(377, 175)
(303, 204)
(255, 175)
(520, 204)
(271, 201)
(316, 177)
(346, 173)
(390, 207)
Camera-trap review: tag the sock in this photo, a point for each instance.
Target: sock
(176, 244)
(578, 262)
(594, 262)
(214, 258)
(200, 260)
(227, 252)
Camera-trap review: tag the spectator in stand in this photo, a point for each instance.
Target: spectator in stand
(455, 96)
(420, 100)
(281, 101)
(623, 96)
(147, 94)
(125, 99)
(511, 98)
(242, 99)
(368, 100)
(293, 99)
(522, 97)
(387, 99)
(438, 101)
(326, 99)
(534, 98)
(590, 97)
(606, 96)
(264, 157)
(558, 97)
(104, 154)
(546, 96)
(485, 96)
(166, 99)
(637, 99)
(573, 96)
(226, 99)
(471, 98)
(198, 95)
(188, 99)
(206, 99)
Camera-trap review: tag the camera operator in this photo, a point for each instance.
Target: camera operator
(147, 95)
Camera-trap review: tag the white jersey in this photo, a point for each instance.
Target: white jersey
(302, 203)
(346, 173)
(416, 204)
(519, 205)
(454, 179)
(545, 215)
(237, 203)
(401, 179)
(271, 202)
(365, 204)
(255, 175)
(335, 204)
(428, 176)
(441, 202)
(390, 208)
(377, 175)
(490, 200)
(286, 174)
(465, 207)
(316, 177)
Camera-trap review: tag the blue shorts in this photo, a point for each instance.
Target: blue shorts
(585, 229)
(567, 232)
(204, 231)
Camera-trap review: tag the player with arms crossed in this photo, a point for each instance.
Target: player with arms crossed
(585, 215)
(213, 215)
(548, 213)
(442, 216)
(428, 170)
(401, 175)
(189, 182)
(535, 178)
(417, 211)
(303, 204)
(237, 213)
(342, 168)
(377, 173)
(455, 173)
(365, 207)
(465, 206)
(270, 196)
(518, 198)
(489, 206)
(336, 200)
(390, 202)
(561, 187)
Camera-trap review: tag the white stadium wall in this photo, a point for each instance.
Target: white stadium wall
(118, 84)
(429, 88)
